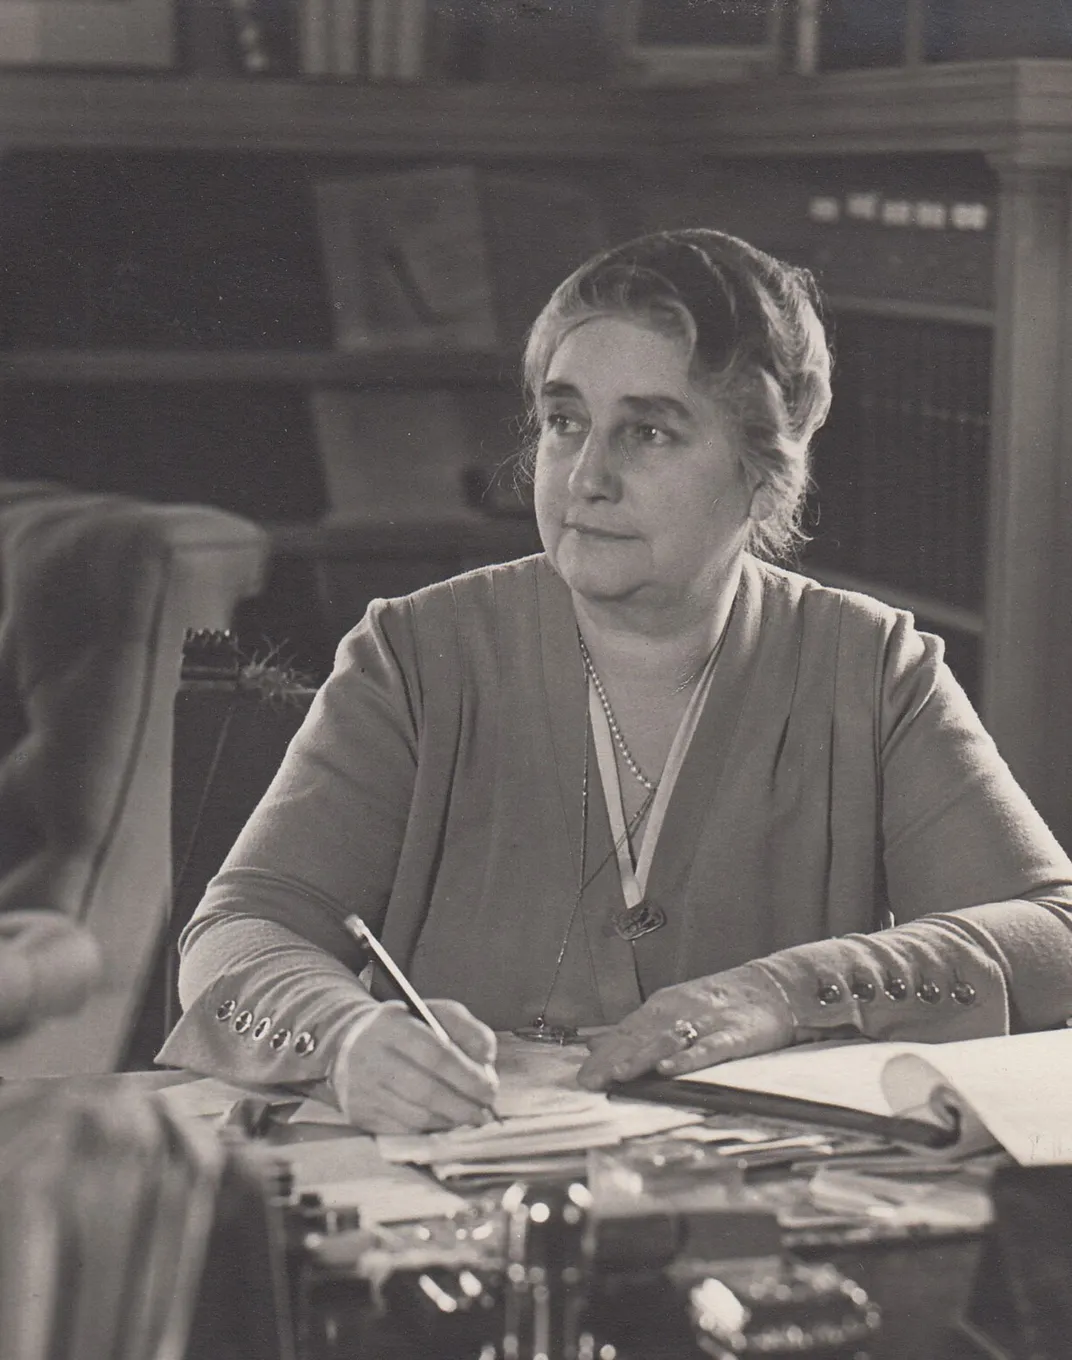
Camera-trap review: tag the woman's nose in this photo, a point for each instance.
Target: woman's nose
(595, 468)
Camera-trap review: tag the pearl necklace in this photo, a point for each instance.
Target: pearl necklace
(616, 732)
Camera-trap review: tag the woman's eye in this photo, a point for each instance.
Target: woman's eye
(652, 434)
(558, 422)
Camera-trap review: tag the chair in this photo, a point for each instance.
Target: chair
(233, 722)
(96, 594)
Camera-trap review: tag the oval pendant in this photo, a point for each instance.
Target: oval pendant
(635, 922)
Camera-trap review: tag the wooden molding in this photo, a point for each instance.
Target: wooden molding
(205, 113)
(1019, 109)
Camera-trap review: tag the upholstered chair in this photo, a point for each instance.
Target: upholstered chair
(96, 594)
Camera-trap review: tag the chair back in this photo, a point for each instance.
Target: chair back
(96, 595)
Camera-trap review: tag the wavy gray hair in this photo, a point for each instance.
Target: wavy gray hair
(755, 340)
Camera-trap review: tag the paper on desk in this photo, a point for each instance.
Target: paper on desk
(350, 1173)
(543, 1112)
(1008, 1089)
(534, 1079)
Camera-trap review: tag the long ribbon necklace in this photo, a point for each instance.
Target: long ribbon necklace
(539, 1029)
(642, 918)
(634, 921)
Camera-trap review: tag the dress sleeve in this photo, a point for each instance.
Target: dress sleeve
(980, 889)
(268, 973)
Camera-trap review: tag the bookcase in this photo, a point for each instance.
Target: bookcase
(944, 481)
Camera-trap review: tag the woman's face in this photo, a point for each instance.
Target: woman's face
(641, 497)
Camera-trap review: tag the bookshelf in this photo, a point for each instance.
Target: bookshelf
(1003, 128)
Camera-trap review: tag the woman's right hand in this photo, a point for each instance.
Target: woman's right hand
(397, 1077)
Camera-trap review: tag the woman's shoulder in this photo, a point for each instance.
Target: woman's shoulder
(480, 588)
(483, 600)
(819, 601)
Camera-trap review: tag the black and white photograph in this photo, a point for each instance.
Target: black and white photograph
(535, 702)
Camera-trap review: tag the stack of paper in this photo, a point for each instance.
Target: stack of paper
(542, 1114)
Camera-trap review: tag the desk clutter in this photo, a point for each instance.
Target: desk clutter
(586, 1226)
(205, 1219)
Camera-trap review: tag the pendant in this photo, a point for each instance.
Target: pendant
(635, 922)
(542, 1033)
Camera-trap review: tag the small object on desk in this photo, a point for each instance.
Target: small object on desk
(696, 1095)
(781, 1308)
(250, 1116)
(540, 1032)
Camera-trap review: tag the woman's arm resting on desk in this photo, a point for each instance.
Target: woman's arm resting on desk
(264, 1006)
(965, 975)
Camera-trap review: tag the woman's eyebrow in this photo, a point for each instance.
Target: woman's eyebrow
(554, 388)
(658, 406)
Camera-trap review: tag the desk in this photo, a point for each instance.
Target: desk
(920, 1285)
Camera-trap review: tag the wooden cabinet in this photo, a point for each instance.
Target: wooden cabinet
(1006, 126)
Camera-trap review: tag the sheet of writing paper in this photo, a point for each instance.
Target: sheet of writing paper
(836, 1073)
(350, 1173)
(1019, 1087)
(534, 1079)
(542, 1112)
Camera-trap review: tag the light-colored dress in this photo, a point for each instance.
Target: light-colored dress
(837, 780)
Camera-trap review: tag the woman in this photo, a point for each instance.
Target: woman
(644, 782)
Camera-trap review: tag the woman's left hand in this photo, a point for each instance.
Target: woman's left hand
(734, 1014)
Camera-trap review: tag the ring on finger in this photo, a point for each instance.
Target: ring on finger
(687, 1032)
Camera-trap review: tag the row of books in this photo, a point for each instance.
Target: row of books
(373, 39)
(901, 469)
(369, 40)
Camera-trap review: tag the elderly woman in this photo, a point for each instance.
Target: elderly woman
(644, 783)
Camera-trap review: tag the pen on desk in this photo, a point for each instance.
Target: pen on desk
(415, 1003)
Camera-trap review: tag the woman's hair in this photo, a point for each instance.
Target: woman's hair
(756, 344)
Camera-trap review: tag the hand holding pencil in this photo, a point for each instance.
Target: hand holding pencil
(415, 1065)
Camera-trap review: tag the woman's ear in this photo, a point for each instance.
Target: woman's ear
(764, 503)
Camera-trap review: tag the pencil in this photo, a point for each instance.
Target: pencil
(415, 1003)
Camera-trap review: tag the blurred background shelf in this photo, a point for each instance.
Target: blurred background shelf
(167, 325)
(391, 368)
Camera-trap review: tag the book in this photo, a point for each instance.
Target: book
(382, 38)
(315, 34)
(406, 261)
(972, 1094)
(412, 35)
(344, 57)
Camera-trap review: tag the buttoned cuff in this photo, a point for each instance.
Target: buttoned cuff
(907, 983)
(286, 1037)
